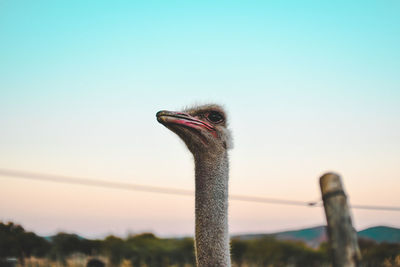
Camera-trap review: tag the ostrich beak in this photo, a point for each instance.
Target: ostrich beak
(166, 117)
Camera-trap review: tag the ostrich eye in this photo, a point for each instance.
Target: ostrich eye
(215, 117)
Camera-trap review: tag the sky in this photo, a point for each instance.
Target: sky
(309, 86)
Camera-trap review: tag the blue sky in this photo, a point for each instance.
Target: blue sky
(310, 86)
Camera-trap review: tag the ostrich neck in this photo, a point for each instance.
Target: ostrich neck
(212, 236)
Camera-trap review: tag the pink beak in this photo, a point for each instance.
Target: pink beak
(171, 117)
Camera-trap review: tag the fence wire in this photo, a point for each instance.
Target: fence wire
(168, 190)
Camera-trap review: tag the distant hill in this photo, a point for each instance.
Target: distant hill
(311, 236)
(381, 234)
(314, 236)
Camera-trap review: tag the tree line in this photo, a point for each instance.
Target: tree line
(149, 250)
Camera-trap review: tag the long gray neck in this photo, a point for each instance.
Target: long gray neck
(212, 236)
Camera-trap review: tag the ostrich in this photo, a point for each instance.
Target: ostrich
(204, 131)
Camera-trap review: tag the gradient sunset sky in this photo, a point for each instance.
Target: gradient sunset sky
(310, 87)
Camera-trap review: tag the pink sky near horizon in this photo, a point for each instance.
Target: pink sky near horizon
(94, 212)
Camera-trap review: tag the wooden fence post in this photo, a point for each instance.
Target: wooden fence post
(342, 235)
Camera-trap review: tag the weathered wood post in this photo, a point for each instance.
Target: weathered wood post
(342, 235)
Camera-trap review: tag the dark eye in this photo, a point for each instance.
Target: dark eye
(215, 117)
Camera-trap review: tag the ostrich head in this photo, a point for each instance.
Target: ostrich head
(202, 128)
